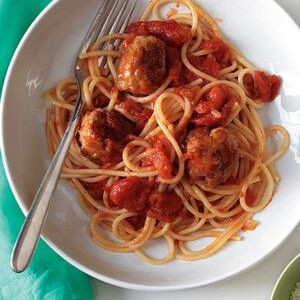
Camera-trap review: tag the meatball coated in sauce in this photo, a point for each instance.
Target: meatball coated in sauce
(211, 156)
(143, 65)
(101, 131)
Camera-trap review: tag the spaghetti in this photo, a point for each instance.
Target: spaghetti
(170, 144)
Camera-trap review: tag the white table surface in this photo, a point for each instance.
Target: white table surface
(256, 284)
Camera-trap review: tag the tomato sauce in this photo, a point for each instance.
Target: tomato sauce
(114, 155)
(250, 225)
(220, 51)
(215, 107)
(137, 195)
(208, 65)
(161, 161)
(101, 101)
(185, 214)
(267, 86)
(95, 189)
(215, 99)
(169, 31)
(248, 82)
(232, 181)
(174, 64)
(262, 86)
(130, 37)
(159, 156)
(137, 222)
(250, 198)
(139, 113)
(131, 193)
(165, 206)
(189, 92)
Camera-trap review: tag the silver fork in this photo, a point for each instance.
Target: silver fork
(111, 16)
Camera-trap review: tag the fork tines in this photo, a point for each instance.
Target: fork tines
(111, 16)
(118, 18)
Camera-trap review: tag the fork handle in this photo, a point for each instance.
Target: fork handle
(31, 230)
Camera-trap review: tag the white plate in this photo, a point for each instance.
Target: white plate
(269, 38)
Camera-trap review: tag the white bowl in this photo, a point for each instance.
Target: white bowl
(269, 38)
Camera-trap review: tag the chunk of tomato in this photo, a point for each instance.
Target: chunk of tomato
(131, 193)
(160, 157)
(169, 31)
(166, 206)
(267, 86)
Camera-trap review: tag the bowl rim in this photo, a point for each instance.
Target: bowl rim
(283, 273)
(62, 253)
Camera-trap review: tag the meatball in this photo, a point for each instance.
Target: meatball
(100, 131)
(143, 65)
(211, 156)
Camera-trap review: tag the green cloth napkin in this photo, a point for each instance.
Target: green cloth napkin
(49, 276)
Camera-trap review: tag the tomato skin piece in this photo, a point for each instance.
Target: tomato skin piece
(131, 193)
(220, 50)
(169, 31)
(165, 207)
(137, 222)
(95, 189)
